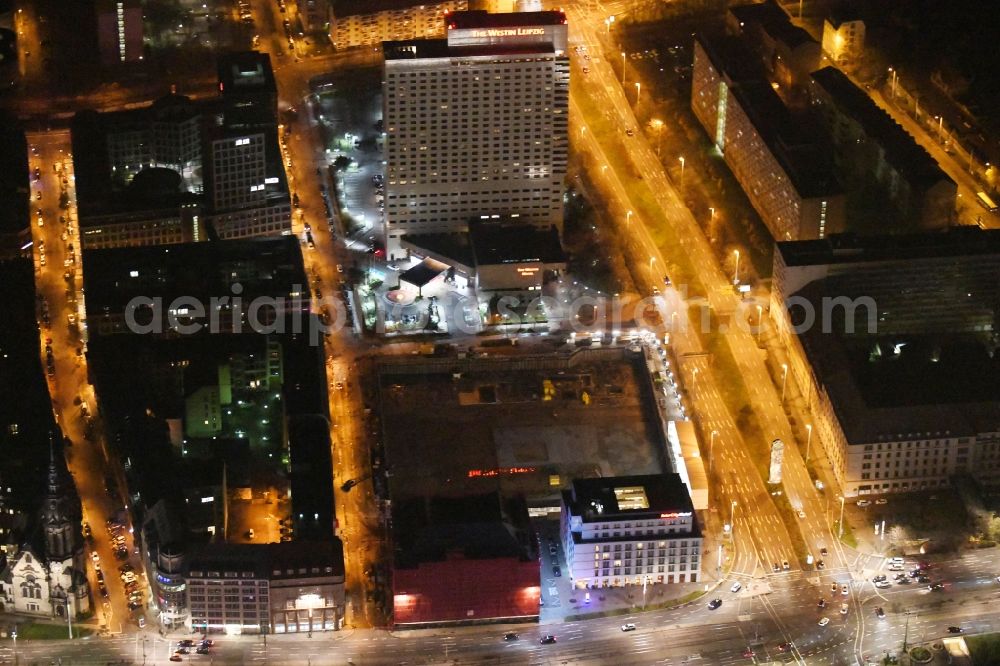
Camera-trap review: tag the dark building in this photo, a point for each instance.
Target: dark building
(15, 230)
(249, 94)
(171, 280)
(463, 560)
(266, 588)
(311, 476)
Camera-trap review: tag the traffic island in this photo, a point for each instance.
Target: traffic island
(920, 655)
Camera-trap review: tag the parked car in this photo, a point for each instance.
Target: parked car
(628, 627)
(824, 621)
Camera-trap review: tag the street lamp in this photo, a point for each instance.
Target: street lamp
(652, 260)
(657, 126)
(711, 215)
(638, 91)
(760, 320)
(736, 271)
(681, 159)
(894, 73)
(809, 439)
(628, 219)
(840, 523)
(711, 451)
(623, 69)
(784, 381)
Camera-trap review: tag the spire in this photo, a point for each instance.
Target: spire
(56, 479)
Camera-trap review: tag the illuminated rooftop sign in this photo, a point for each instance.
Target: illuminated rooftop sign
(508, 32)
(676, 514)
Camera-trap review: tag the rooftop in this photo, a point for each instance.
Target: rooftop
(901, 150)
(262, 267)
(609, 498)
(482, 19)
(421, 274)
(264, 559)
(789, 137)
(14, 185)
(416, 49)
(464, 426)
(849, 248)
(774, 21)
(246, 70)
(515, 243)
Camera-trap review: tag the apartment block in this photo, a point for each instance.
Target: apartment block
(869, 146)
(775, 157)
(354, 24)
(630, 530)
(476, 123)
(891, 341)
(843, 38)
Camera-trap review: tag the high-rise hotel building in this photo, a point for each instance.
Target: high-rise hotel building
(476, 124)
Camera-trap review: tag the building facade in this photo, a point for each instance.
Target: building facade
(630, 531)
(352, 25)
(780, 168)
(843, 39)
(936, 287)
(476, 123)
(870, 146)
(119, 31)
(266, 588)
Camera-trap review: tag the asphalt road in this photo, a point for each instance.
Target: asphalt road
(73, 400)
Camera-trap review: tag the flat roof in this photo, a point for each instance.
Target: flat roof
(263, 267)
(457, 426)
(905, 386)
(509, 243)
(246, 70)
(851, 248)
(774, 21)
(644, 496)
(263, 559)
(901, 150)
(480, 18)
(417, 49)
(789, 137)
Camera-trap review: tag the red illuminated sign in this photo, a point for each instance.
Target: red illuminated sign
(499, 471)
(683, 514)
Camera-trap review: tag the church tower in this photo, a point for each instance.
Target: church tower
(57, 513)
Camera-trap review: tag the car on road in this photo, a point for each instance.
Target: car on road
(954, 630)
(880, 613)
(714, 603)
(510, 636)
(176, 657)
(775, 568)
(881, 501)
(935, 587)
(823, 551)
(844, 590)
(556, 571)
(547, 639)
(186, 643)
(630, 132)
(749, 654)
(821, 603)
(340, 268)
(843, 609)
(864, 503)
(802, 514)
(202, 649)
(824, 621)
(833, 587)
(785, 565)
(347, 485)
(883, 584)
(878, 578)
(904, 581)
(784, 647)
(820, 564)
(737, 586)
(628, 627)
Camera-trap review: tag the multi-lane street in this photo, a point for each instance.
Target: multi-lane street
(59, 279)
(776, 617)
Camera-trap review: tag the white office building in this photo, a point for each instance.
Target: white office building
(476, 123)
(630, 530)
